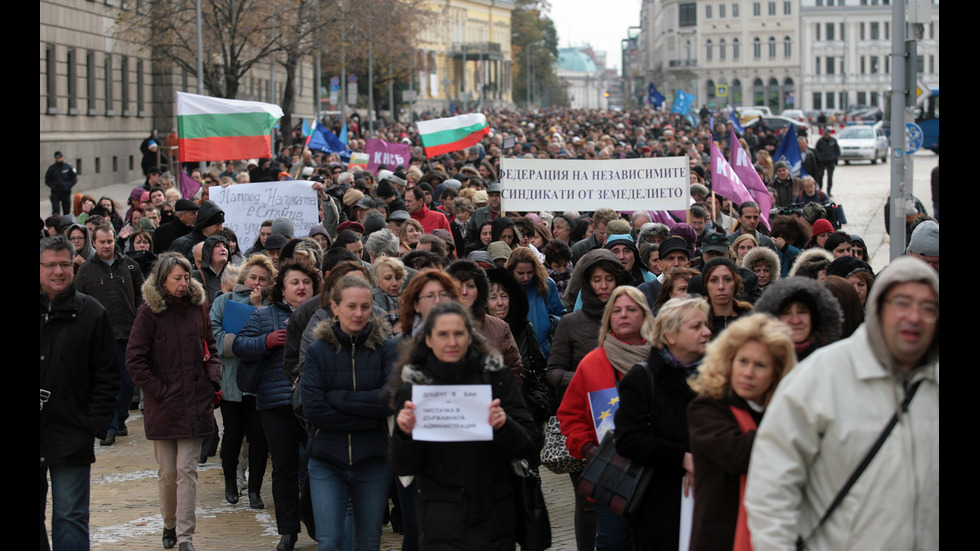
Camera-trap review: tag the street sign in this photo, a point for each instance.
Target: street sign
(721, 90)
(352, 78)
(352, 93)
(409, 96)
(921, 92)
(334, 81)
(913, 137)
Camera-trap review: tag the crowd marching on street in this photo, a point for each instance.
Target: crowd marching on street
(771, 387)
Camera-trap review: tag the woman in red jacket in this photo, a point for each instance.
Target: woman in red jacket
(625, 339)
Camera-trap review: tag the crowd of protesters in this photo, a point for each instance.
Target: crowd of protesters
(336, 321)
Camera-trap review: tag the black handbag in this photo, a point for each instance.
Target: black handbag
(532, 524)
(615, 482)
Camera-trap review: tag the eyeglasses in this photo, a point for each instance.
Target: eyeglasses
(928, 311)
(431, 297)
(53, 265)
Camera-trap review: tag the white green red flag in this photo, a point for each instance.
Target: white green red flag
(214, 129)
(359, 159)
(452, 134)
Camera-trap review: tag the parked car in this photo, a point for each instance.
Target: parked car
(780, 124)
(795, 114)
(863, 143)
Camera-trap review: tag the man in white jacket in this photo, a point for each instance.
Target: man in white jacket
(827, 414)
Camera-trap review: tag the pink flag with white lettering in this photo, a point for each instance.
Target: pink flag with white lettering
(724, 181)
(385, 153)
(742, 165)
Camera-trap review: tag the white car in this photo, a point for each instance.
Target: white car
(863, 143)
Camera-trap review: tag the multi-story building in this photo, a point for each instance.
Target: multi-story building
(101, 95)
(846, 58)
(464, 54)
(586, 81)
(726, 52)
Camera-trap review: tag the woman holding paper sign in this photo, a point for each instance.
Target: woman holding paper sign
(465, 495)
(345, 370)
(625, 338)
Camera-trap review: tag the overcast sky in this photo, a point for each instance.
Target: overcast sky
(603, 24)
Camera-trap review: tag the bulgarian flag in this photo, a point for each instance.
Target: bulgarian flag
(214, 129)
(359, 159)
(452, 134)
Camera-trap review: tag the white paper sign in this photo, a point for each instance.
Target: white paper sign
(571, 184)
(246, 206)
(452, 413)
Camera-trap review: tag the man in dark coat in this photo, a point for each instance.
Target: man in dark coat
(60, 177)
(828, 151)
(116, 281)
(210, 220)
(185, 214)
(79, 382)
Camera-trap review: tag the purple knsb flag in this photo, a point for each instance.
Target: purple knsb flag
(742, 165)
(188, 185)
(724, 181)
(385, 153)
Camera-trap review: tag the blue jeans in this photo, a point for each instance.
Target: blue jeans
(366, 485)
(69, 506)
(613, 531)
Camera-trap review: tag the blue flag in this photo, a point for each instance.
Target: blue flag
(604, 404)
(734, 119)
(306, 127)
(682, 102)
(343, 135)
(654, 97)
(789, 151)
(322, 139)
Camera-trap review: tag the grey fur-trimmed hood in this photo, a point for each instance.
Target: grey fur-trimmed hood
(380, 332)
(782, 292)
(156, 300)
(766, 255)
(808, 256)
(414, 375)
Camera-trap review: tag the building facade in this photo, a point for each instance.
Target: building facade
(463, 55)
(101, 95)
(587, 83)
(846, 58)
(726, 52)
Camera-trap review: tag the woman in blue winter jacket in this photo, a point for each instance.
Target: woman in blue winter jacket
(345, 369)
(545, 306)
(259, 346)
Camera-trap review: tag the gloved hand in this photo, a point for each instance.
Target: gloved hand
(275, 339)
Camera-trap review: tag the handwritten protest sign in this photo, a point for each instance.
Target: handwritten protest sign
(452, 413)
(246, 206)
(570, 184)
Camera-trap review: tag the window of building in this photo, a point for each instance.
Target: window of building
(932, 28)
(817, 100)
(819, 3)
(772, 47)
(787, 8)
(98, 165)
(108, 86)
(772, 8)
(722, 54)
(862, 98)
(688, 15)
(787, 47)
(842, 35)
(115, 163)
(758, 92)
(920, 64)
(130, 162)
(875, 31)
(51, 78)
(756, 48)
(830, 100)
(818, 31)
(124, 86)
(861, 29)
(710, 91)
(707, 50)
(831, 69)
(842, 98)
(830, 31)
(736, 92)
(721, 11)
(90, 83)
(140, 105)
(736, 47)
(818, 64)
(874, 99)
(707, 11)
(874, 65)
(757, 9)
(863, 69)
(887, 26)
(735, 14)
(72, 82)
(888, 68)
(932, 64)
